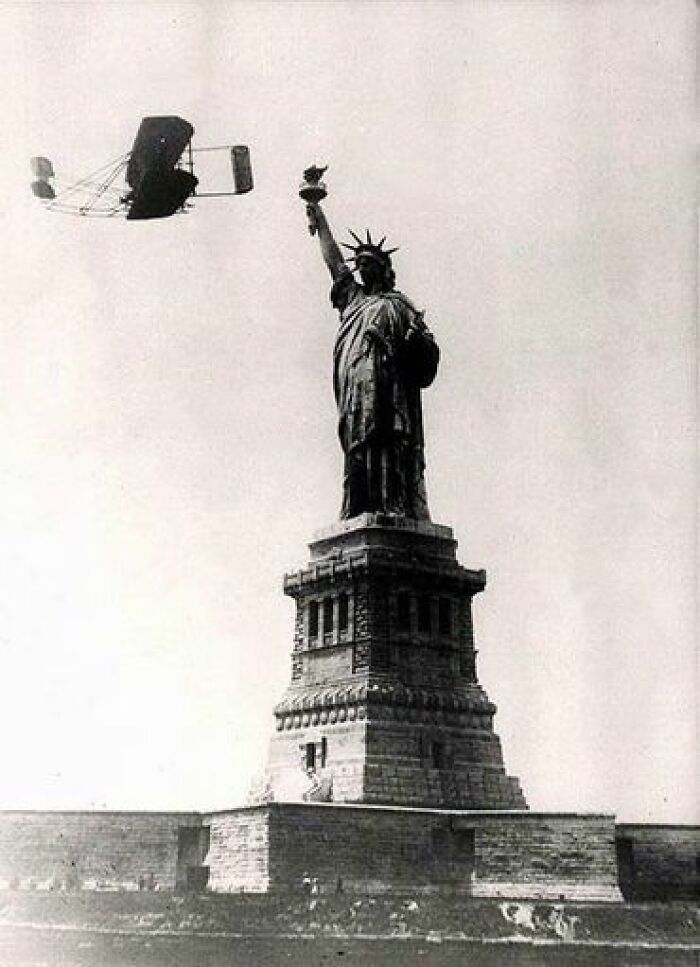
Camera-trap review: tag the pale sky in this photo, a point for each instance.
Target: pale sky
(168, 437)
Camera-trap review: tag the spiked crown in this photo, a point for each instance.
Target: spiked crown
(368, 249)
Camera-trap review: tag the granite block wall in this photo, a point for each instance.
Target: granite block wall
(354, 848)
(392, 759)
(239, 855)
(469, 773)
(546, 855)
(91, 850)
(369, 849)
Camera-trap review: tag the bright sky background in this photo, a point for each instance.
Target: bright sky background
(168, 442)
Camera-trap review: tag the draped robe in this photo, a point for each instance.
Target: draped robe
(377, 390)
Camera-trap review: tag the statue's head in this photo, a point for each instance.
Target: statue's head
(373, 263)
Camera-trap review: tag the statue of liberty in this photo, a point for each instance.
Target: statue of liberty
(384, 355)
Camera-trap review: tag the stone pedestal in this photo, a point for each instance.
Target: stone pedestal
(384, 705)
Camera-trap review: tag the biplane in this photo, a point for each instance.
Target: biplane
(155, 179)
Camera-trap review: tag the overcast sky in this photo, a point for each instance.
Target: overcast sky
(168, 432)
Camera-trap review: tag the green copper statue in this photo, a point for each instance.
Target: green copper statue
(384, 355)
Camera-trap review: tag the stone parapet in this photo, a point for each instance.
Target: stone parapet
(329, 539)
(373, 539)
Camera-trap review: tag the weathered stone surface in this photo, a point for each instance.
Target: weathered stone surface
(374, 849)
(239, 851)
(498, 853)
(384, 672)
(91, 850)
(378, 530)
(658, 862)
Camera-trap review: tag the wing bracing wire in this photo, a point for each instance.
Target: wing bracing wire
(98, 184)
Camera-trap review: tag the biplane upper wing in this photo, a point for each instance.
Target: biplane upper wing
(158, 145)
(158, 187)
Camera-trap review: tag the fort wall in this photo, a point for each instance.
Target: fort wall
(363, 849)
(91, 850)
(658, 862)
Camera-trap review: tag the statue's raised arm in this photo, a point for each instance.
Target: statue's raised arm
(384, 355)
(313, 191)
(332, 255)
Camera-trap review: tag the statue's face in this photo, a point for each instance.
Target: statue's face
(370, 272)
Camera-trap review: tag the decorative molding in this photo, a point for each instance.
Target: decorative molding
(383, 563)
(328, 706)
